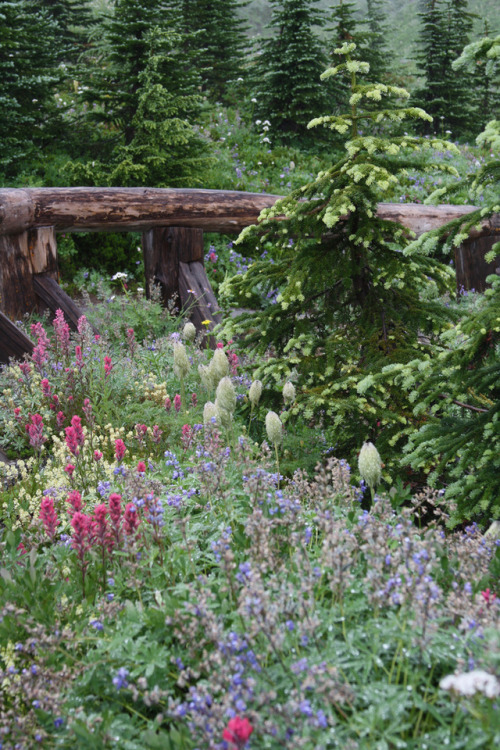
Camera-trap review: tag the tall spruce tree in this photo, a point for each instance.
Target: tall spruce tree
(74, 19)
(29, 75)
(446, 26)
(114, 87)
(348, 301)
(158, 146)
(376, 52)
(219, 43)
(287, 71)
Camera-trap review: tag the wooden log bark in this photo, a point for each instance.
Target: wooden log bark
(49, 291)
(13, 342)
(471, 267)
(197, 296)
(130, 209)
(163, 249)
(21, 256)
(17, 295)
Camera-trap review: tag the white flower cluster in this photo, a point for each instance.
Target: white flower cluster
(470, 683)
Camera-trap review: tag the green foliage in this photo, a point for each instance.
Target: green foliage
(348, 301)
(28, 113)
(461, 438)
(154, 142)
(218, 45)
(288, 90)
(459, 394)
(450, 99)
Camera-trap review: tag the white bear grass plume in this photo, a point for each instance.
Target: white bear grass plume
(370, 468)
(225, 402)
(189, 331)
(209, 414)
(274, 429)
(288, 393)
(254, 395)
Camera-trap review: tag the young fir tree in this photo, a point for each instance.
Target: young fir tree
(29, 75)
(165, 150)
(288, 68)
(348, 301)
(458, 392)
(219, 43)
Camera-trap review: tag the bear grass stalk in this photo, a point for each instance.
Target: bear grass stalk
(349, 301)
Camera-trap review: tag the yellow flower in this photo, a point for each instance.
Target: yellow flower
(205, 322)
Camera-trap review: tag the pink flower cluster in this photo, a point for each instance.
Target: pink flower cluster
(237, 732)
(39, 354)
(34, 428)
(61, 329)
(74, 436)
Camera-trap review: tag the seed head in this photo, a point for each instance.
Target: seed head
(219, 365)
(288, 393)
(206, 377)
(274, 428)
(209, 411)
(189, 331)
(223, 415)
(181, 361)
(255, 392)
(370, 464)
(226, 395)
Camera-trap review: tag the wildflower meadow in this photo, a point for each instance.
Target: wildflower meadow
(171, 578)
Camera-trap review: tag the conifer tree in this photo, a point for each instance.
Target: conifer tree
(219, 43)
(459, 391)
(342, 28)
(114, 88)
(446, 26)
(74, 19)
(165, 150)
(376, 52)
(288, 68)
(348, 301)
(28, 77)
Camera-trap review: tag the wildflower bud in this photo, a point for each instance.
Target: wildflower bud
(370, 465)
(274, 428)
(226, 395)
(189, 331)
(288, 393)
(219, 365)
(255, 392)
(181, 361)
(206, 377)
(209, 411)
(223, 415)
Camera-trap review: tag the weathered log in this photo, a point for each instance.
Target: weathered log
(13, 342)
(197, 296)
(470, 265)
(47, 288)
(129, 209)
(21, 256)
(163, 249)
